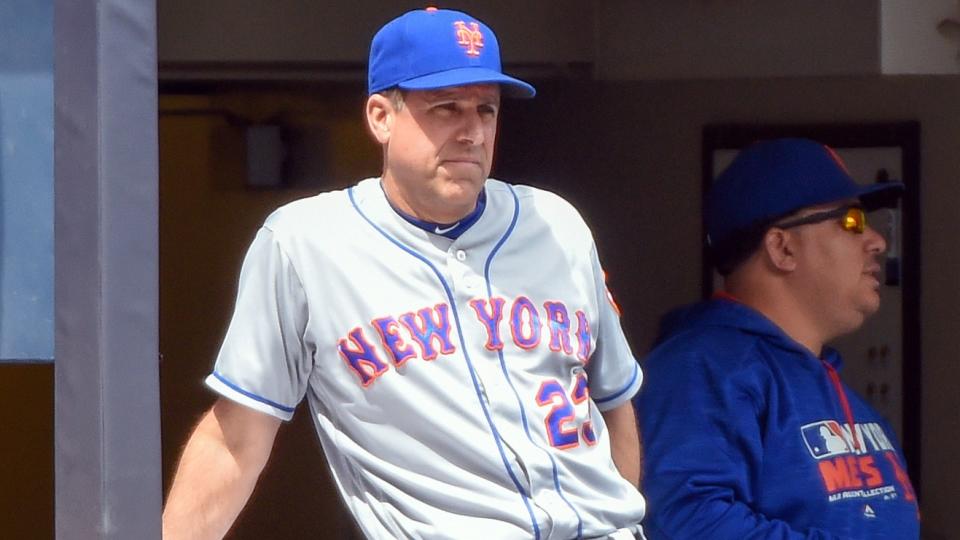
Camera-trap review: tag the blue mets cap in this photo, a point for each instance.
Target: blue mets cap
(438, 48)
(775, 178)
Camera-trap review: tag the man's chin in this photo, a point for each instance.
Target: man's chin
(472, 173)
(458, 201)
(463, 188)
(870, 305)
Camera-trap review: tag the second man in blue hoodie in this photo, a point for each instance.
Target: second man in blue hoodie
(749, 432)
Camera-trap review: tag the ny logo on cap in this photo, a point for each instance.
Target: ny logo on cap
(469, 37)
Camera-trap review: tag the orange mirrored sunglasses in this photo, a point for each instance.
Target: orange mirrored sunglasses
(852, 218)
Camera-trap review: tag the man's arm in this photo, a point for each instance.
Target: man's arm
(624, 441)
(218, 470)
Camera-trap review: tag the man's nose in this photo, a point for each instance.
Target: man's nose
(471, 132)
(874, 241)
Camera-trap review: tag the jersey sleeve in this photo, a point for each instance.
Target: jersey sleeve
(613, 372)
(264, 362)
(702, 437)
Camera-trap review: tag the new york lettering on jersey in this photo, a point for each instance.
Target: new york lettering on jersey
(425, 333)
(552, 339)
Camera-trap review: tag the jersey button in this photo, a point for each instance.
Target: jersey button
(461, 255)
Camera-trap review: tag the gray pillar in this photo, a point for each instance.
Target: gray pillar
(107, 419)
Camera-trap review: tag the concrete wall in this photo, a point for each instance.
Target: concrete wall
(248, 31)
(621, 39)
(652, 39)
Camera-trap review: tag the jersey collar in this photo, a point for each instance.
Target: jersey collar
(448, 230)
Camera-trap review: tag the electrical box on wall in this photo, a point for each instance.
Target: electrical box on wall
(265, 156)
(285, 156)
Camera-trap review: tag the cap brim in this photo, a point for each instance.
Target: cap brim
(881, 195)
(471, 75)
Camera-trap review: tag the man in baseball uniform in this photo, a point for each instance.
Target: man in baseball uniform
(749, 431)
(452, 334)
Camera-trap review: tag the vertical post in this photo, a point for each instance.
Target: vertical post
(107, 421)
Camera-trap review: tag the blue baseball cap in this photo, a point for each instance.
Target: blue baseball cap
(772, 179)
(435, 48)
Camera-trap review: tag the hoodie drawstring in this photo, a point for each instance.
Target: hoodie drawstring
(838, 386)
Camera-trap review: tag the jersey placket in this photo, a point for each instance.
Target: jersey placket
(536, 470)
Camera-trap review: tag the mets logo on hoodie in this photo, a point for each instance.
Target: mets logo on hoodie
(849, 460)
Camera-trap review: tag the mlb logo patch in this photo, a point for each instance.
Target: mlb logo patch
(824, 439)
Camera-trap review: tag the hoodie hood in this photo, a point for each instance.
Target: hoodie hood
(724, 311)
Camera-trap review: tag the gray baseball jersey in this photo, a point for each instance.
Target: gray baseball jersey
(455, 384)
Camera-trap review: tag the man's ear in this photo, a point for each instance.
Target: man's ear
(780, 249)
(380, 117)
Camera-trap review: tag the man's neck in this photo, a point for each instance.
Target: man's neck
(405, 203)
(451, 230)
(784, 310)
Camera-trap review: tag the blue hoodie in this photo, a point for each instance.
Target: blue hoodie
(747, 435)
